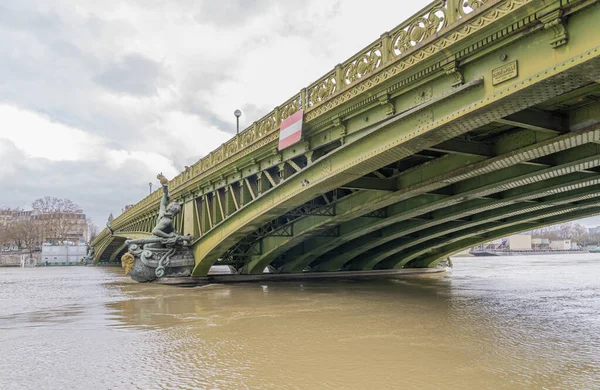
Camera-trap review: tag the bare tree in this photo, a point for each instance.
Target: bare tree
(593, 239)
(28, 233)
(13, 234)
(564, 231)
(92, 229)
(4, 237)
(51, 204)
(59, 218)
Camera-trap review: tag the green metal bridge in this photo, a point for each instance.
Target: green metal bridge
(470, 121)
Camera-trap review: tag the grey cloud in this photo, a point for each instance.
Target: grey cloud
(66, 49)
(18, 16)
(230, 12)
(91, 185)
(134, 75)
(43, 68)
(193, 107)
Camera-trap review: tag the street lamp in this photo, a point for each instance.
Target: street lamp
(237, 114)
(150, 184)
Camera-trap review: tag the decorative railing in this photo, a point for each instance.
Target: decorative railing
(391, 46)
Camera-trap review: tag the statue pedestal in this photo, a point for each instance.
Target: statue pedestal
(148, 264)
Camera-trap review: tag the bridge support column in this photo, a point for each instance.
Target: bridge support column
(244, 194)
(189, 219)
(285, 171)
(312, 155)
(214, 210)
(262, 183)
(229, 201)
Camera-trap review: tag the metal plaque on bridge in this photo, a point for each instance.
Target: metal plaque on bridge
(505, 73)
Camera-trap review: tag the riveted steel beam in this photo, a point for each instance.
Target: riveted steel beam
(525, 220)
(481, 220)
(115, 254)
(458, 146)
(543, 191)
(349, 207)
(537, 120)
(469, 189)
(430, 259)
(370, 183)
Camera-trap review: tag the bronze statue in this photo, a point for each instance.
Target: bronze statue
(166, 246)
(89, 256)
(164, 225)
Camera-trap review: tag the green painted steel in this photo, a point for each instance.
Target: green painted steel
(486, 123)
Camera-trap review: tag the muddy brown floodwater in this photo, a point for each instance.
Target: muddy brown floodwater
(490, 323)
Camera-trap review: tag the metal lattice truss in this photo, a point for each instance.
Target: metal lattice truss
(283, 226)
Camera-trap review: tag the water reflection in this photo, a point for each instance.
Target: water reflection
(156, 306)
(490, 323)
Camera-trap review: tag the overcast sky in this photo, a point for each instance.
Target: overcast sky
(97, 97)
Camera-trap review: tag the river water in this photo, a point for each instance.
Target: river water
(490, 323)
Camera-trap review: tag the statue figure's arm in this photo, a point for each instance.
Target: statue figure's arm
(164, 201)
(165, 198)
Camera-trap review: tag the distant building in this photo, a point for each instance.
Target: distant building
(8, 216)
(519, 242)
(560, 244)
(540, 243)
(514, 242)
(54, 227)
(63, 227)
(62, 254)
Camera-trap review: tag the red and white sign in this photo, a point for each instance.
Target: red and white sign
(290, 131)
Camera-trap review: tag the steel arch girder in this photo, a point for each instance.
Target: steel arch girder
(116, 252)
(353, 229)
(492, 185)
(101, 247)
(431, 260)
(380, 199)
(518, 211)
(528, 221)
(279, 245)
(464, 210)
(385, 198)
(348, 208)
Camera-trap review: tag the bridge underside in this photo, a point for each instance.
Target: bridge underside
(465, 165)
(536, 167)
(478, 149)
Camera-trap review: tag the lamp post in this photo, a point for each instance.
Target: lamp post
(150, 184)
(237, 114)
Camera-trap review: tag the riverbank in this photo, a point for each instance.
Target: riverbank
(13, 258)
